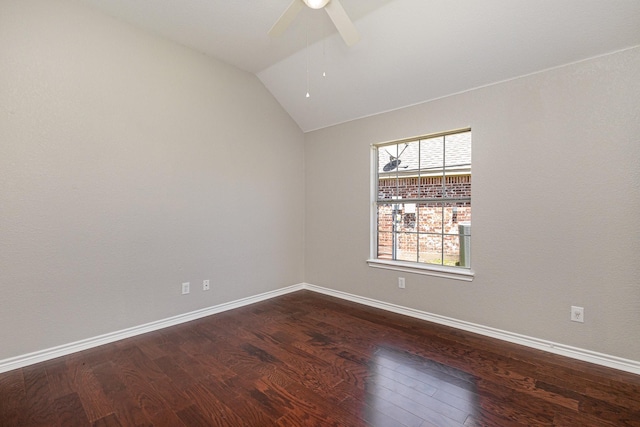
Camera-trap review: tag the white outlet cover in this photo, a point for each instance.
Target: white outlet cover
(206, 285)
(185, 288)
(577, 314)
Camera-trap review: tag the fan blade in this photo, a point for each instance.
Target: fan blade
(285, 19)
(342, 22)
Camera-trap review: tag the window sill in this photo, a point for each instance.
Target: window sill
(429, 270)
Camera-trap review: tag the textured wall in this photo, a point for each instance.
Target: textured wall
(556, 196)
(129, 165)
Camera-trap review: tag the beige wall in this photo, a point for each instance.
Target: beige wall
(556, 202)
(128, 165)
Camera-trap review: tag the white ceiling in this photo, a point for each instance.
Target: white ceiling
(410, 51)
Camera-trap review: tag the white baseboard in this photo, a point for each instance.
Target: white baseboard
(607, 360)
(65, 349)
(626, 365)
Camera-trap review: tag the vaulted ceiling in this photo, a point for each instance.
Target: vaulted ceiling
(410, 50)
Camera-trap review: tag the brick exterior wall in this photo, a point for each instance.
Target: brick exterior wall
(428, 187)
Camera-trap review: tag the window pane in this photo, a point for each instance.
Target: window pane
(457, 230)
(458, 186)
(432, 156)
(385, 245)
(409, 187)
(451, 250)
(407, 217)
(463, 212)
(431, 187)
(454, 215)
(385, 218)
(430, 248)
(429, 217)
(387, 173)
(409, 158)
(407, 247)
(458, 165)
(386, 160)
(457, 149)
(387, 188)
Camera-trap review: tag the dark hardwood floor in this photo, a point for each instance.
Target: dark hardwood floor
(305, 359)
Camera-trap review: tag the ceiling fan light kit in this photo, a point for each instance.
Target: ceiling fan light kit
(335, 11)
(316, 4)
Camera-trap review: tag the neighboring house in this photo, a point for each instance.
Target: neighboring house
(414, 170)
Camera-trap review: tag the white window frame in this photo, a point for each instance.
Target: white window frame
(449, 272)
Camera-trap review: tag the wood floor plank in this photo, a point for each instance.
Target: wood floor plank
(69, 411)
(13, 399)
(39, 408)
(306, 359)
(84, 382)
(60, 383)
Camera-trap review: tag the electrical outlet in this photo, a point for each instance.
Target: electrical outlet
(205, 285)
(577, 314)
(401, 283)
(185, 288)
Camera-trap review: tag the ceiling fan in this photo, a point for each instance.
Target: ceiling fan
(335, 11)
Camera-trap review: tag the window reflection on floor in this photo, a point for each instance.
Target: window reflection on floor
(408, 390)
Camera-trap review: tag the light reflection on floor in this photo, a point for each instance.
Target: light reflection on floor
(409, 390)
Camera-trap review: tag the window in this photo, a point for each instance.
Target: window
(421, 210)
